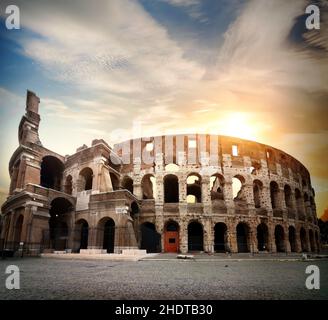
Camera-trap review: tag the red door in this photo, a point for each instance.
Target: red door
(171, 241)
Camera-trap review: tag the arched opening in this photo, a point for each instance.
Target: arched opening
(51, 172)
(242, 237)
(148, 184)
(216, 187)
(194, 188)
(106, 234)
(288, 196)
(237, 187)
(257, 193)
(134, 209)
(58, 226)
(311, 238)
(279, 238)
(115, 181)
(81, 234)
(69, 184)
(303, 239)
(274, 195)
(292, 238)
(195, 236)
(127, 183)
(85, 179)
(262, 234)
(220, 238)
(299, 204)
(171, 237)
(18, 230)
(150, 238)
(171, 189)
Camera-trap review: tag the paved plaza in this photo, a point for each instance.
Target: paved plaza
(54, 278)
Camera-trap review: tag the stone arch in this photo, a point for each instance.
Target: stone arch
(299, 204)
(303, 239)
(279, 236)
(115, 181)
(148, 184)
(288, 196)
(171, 188)
(150, 238)
(195, 236)
(134, 209)
(311, 238)
(220, 237)
(243, 237)
(51, 173)
(292, 238)
(194, 188)
(68, 187)
(238, 182)
(127, 183)
(257, 193)
(81, 235)
(59, 230)
(106, 234)
(262, 235)
(217, 186)
(275, 195)
(171, 236)
(85, 181)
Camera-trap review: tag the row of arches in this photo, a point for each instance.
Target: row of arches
(195, 236)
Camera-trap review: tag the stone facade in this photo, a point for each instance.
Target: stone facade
(168, 193)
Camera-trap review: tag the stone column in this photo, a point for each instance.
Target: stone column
(183, 237)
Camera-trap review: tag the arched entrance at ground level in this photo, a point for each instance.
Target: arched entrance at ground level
(242, 237)
(58, 226)
(195, 237)
(81, 235)
(18, 230)
(279, 238)
(171, 237)
(150, 238)
(303, 239)
(311, 238)
(220, 238)
(262, 235)
(292, 238)
(109, 236)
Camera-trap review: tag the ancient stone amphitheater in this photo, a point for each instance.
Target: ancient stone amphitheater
(164, 194)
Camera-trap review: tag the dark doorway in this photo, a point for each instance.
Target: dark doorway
(58, 223)
(109, 236)
(242, 235)
(303, 239)
(150, 238)
(171, 237)
(279, 238)
(171, 189)
(292, 238)
(262, 237)
(84, 234)
(195, 237)
(220, 237)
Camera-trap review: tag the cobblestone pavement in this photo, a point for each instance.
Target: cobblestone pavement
(44, 278)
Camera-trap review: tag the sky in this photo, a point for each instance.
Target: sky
(122, 69)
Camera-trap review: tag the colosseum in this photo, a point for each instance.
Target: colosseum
(174, 193)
